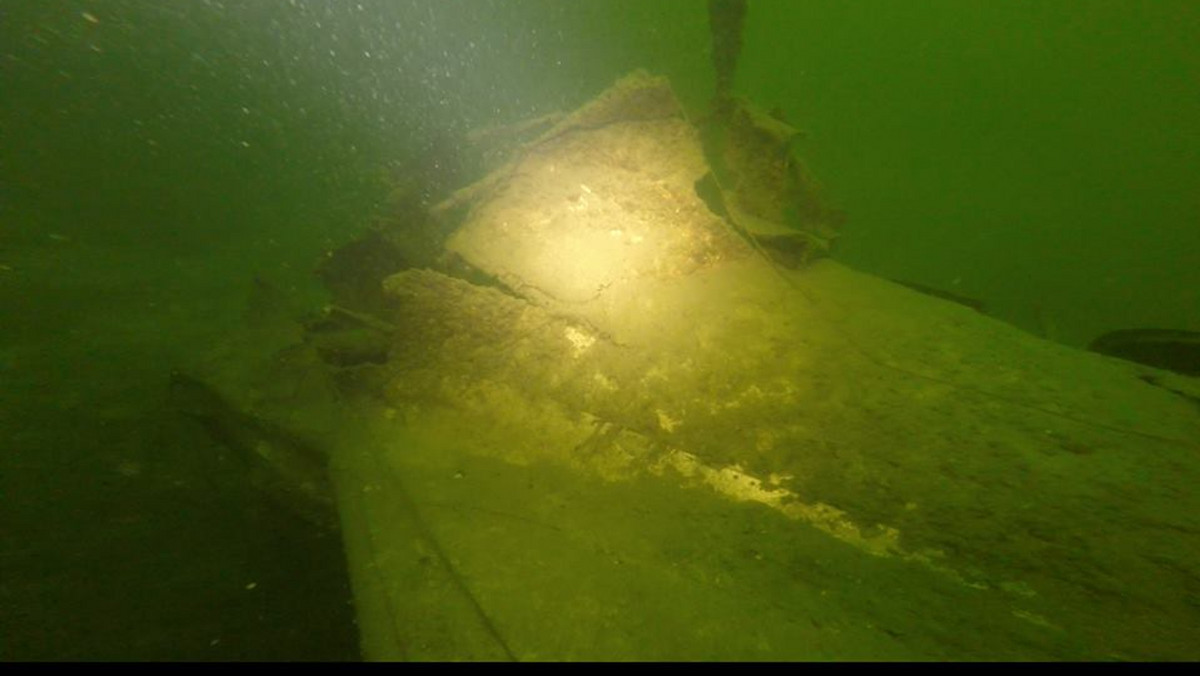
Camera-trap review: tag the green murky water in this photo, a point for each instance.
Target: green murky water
(157, 156)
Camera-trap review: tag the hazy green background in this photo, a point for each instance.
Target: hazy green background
(1026, 152)
(156, 154)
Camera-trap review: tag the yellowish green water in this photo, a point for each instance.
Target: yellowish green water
(1038, 156)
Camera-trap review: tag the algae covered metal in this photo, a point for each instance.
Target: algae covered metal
(610, 422)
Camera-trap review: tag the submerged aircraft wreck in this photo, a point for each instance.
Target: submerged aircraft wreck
(625, 407)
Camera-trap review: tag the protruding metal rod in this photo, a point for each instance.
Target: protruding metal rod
(725, 18)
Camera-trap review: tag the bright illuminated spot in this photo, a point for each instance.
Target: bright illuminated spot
(580, 341)
(666, 422)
